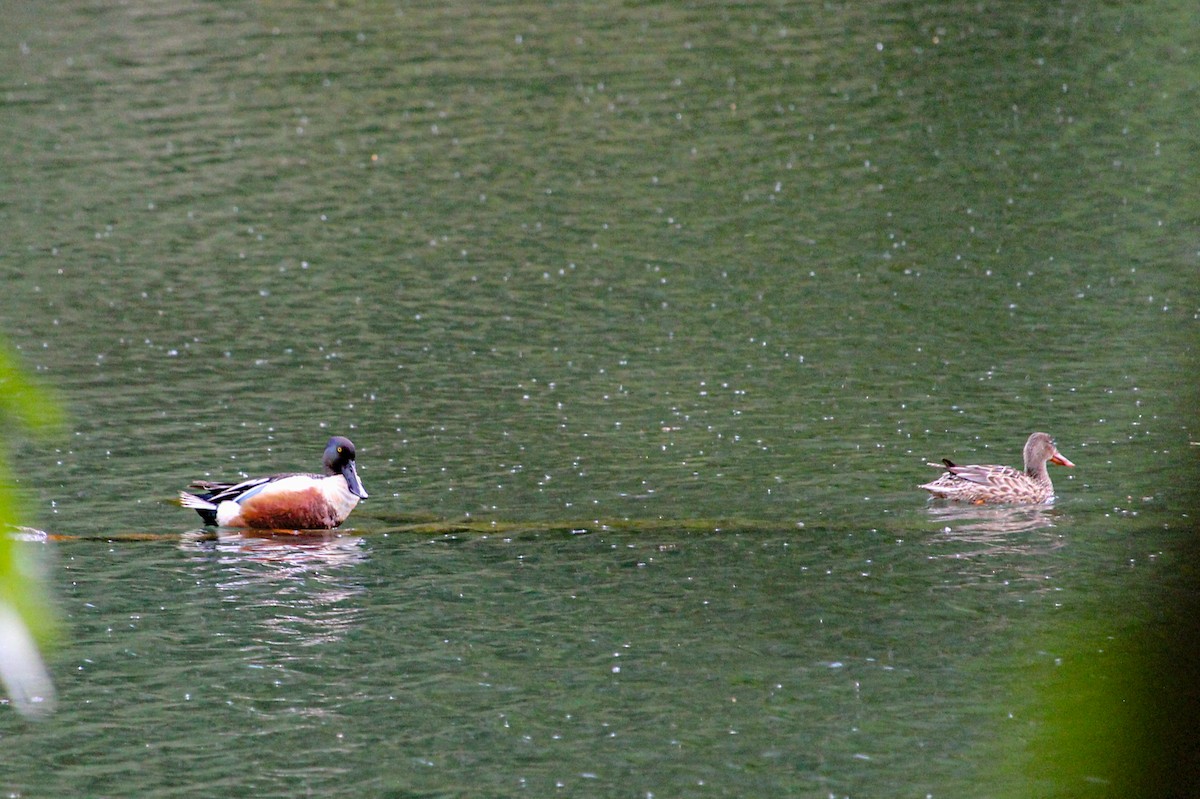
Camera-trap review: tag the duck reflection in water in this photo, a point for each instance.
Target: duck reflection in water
(989, 542)
(301, 589)
(969, 522)
(300, 551)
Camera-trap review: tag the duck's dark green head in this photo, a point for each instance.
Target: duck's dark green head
(339, 459)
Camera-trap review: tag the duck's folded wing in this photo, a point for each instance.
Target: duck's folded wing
(220, 492)
(984, 475)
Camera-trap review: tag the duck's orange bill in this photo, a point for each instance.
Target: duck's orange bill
(1060, 460)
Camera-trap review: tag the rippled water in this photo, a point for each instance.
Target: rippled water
(652, 316)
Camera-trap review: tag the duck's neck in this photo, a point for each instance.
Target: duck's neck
(1038, 472)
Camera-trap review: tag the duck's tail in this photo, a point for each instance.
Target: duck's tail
(206, 509)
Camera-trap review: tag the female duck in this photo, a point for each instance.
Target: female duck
(284, 501)
(1002, 484)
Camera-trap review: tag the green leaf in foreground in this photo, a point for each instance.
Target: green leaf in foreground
(26, 618)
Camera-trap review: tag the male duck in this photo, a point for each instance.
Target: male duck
(284, 501)
(1002, 484)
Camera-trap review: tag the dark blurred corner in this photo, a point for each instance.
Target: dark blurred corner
(1120, 717)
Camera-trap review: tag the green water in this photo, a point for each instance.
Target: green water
(644, 320)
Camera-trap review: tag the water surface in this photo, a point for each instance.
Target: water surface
(681, 298)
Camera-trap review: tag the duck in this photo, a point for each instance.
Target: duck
(989, 484)
(284, 501)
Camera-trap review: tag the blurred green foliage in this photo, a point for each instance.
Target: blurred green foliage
(24, 604)
(1118, 713)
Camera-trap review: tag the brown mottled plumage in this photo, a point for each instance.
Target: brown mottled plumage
(1001, 484)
